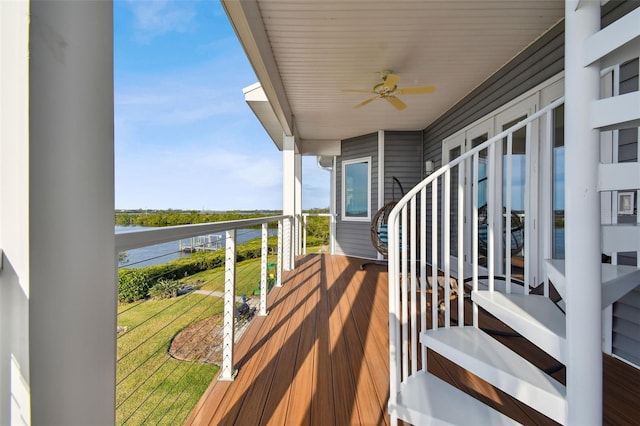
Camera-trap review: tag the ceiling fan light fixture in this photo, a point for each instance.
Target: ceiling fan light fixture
(388, 90)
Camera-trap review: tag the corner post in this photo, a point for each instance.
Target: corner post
(71, 282)
(583, 245)
(289, 201)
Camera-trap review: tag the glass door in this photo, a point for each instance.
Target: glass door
(518, 194)
(453, 148)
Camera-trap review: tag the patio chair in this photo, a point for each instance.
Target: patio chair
(379, 229)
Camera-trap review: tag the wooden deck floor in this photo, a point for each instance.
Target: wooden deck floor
(321, 357)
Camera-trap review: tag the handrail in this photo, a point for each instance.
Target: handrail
(403, 201)
(407, 235)
(147, 237)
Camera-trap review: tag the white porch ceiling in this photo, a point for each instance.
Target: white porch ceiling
(305, 52)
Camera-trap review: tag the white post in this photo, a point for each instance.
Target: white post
(582, 212)
(72, 260)
(227, 372)
(304, 234)
(332, 210)
(381, 177)
(279, 261)
(289, 200)
(14, 211)
(263, 270)
(298, 203)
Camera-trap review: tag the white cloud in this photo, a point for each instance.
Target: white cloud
(157, 17)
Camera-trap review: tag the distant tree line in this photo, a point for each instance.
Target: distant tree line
(317, 227)
(180, 217)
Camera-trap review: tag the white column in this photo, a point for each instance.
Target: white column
(298, 203)
(72, 260)
(381, 175)
(14, 216)
(288, 201)
(582, 213)
(333, 209)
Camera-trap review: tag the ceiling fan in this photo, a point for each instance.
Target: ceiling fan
(388, 90)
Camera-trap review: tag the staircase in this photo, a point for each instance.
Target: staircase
(422, 232)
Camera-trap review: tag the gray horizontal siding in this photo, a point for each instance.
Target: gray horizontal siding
(626, 311)
(402, 159)
(536, 64)
(353, 238)
(626, 327)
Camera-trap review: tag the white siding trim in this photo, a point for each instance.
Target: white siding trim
(380, 175)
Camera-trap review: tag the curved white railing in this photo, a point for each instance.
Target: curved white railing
(411, 223)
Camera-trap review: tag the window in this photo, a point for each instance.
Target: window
(356, 189)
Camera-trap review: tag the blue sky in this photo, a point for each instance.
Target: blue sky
(184, 137)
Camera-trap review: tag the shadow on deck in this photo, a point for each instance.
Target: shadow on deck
(321, 356)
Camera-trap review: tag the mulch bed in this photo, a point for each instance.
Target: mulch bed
(200, 341)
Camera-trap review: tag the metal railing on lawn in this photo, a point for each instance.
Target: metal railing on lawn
(169, 345)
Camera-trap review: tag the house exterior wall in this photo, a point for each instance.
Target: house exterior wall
(14, 222)
(402, 155)
(352, 238)
(626, 312)
(536, 64)
(402, 159)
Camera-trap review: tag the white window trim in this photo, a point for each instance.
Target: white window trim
(345, 163)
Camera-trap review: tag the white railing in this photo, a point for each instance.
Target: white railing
(304, 227)
(412, 224)
(226, 303)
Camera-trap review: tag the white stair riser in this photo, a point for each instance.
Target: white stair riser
(617, 280)
(534, 317)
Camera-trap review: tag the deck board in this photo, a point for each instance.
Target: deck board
(321, 356)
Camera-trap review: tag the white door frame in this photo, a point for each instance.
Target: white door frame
(491, 125)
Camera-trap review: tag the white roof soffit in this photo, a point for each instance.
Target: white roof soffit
(257, 100)
(318, 59)
(247, 22)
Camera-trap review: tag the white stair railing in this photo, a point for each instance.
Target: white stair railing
(413, 223)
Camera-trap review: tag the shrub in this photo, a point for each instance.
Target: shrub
(133, 284)
(165, 289)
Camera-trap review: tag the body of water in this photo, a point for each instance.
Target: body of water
(166, 252)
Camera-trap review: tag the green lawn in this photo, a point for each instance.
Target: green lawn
(152, 387)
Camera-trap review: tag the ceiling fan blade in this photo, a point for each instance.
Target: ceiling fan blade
(356, 91)
(363, 103)
(417, 90)
(396, 102)
(391, 81)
